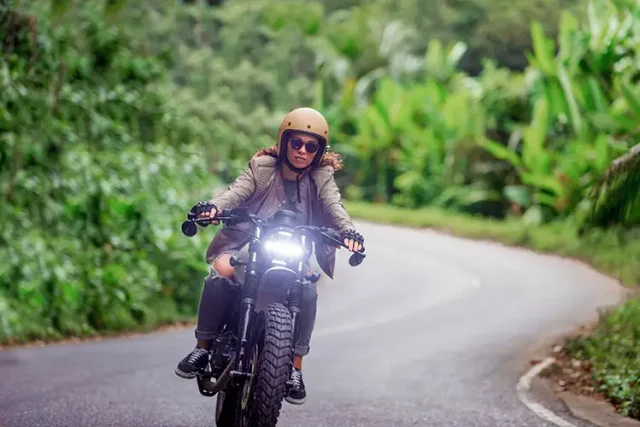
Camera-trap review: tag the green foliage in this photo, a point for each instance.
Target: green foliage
(95, 177)
(616, 197)
(613, 350)
(535, 143)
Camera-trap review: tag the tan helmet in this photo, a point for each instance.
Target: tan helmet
(305, 120)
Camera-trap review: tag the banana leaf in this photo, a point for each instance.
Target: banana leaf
(544, 182)
(567, 86)
(632, 98)
(501, 152)
(543, 49)
(518, 194)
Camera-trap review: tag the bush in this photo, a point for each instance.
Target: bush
(613, 349)
(96, 179)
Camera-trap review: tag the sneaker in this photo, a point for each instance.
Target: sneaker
(297, 394)
(194, 362)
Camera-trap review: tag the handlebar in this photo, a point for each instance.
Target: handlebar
(190, 229)
(240, 215)
(332, 236)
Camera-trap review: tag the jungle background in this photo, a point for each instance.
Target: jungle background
(512, 120)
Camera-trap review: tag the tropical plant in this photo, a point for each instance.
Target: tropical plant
(95, 176)
(616, 197)
(584, 111)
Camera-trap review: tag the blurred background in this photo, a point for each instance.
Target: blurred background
(117, 116)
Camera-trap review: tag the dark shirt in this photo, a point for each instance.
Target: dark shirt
(291, 190)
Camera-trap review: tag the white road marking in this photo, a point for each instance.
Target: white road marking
(523, 387)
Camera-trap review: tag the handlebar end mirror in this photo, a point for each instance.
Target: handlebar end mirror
(356, 259)
(189, 228)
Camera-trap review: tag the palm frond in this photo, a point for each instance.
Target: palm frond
(616, 197)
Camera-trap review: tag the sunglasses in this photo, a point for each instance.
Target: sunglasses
(297, 143)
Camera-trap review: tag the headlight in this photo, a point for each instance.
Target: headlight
(281, 245)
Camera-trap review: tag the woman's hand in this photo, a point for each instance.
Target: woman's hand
(353, 240)
(210, 214)
(352, 245)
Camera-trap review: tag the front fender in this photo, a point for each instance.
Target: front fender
(274, 286)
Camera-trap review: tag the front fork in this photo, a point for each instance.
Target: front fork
(249, 295)
(295, 300)
(295, 293)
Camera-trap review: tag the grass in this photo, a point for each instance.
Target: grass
(163, 316)
(176, 322)
(613, 348)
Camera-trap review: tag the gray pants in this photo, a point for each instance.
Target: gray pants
(216, 296)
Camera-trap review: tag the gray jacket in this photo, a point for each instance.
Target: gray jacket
(260, 188)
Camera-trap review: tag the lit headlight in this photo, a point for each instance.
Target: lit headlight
(282, 245)
(285, 248)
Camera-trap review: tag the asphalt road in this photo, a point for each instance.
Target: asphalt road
(430, 330)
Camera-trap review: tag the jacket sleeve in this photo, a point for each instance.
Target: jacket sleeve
(238, 192)
(331, 200)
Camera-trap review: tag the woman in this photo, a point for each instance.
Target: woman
(295, 174)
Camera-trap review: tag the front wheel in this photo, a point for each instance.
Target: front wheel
(259, 401)
(273, 367)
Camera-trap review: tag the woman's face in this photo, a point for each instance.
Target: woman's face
(302, 149)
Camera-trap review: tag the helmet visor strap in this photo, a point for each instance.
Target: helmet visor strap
(292, 167)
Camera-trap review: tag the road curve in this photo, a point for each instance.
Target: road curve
(431, 330)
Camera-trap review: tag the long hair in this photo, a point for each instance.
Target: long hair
(328, 159)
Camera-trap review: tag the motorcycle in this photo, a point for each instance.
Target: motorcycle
(251, 360)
